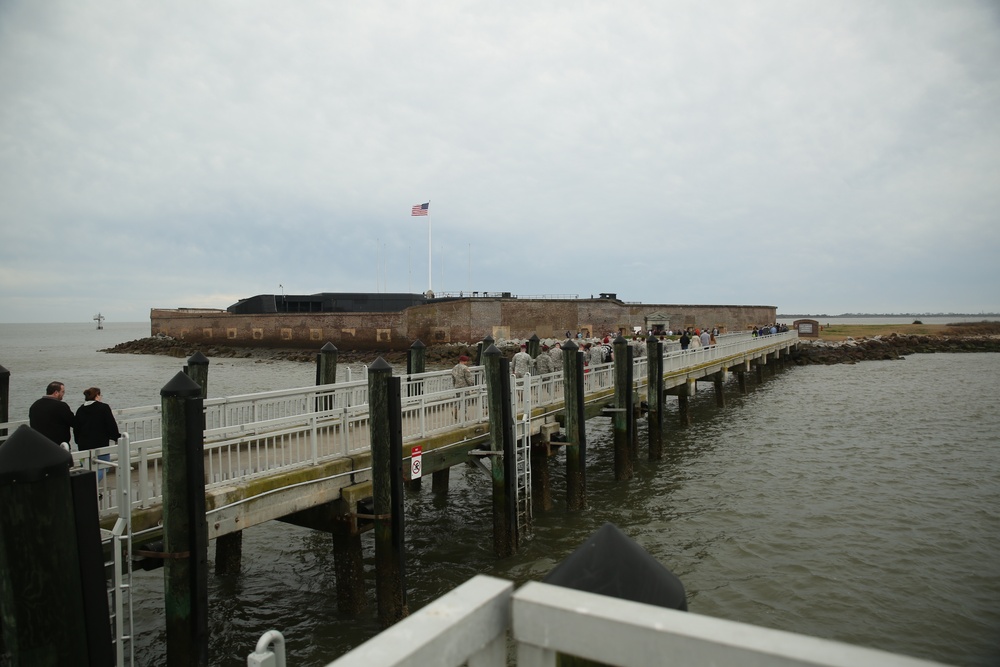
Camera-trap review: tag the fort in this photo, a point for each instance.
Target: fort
(391, 322)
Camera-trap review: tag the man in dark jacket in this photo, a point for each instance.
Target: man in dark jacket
(50, 416)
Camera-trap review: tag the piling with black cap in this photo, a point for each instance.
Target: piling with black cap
(185, 528)
(654, 397)
(534, 346)
(326, 364)
(576, 437)
(623, 410)
(482, 347)
(40, 584)
(197, 370)
(385, 427)
(4, 398)
(503, 457)
(416, 358)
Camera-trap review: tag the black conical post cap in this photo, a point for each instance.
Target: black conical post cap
(197, 359)
(417, 345)
(181, 385)
(492, 350)
(380, 364)
(329, 347)
(4, 371)
(613, 564)
(28, 456)
(569, 345)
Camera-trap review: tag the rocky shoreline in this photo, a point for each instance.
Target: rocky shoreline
(892, 346)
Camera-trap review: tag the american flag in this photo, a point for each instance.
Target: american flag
(420, 209)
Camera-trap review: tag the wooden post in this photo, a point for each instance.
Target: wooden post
(502, 452)
(741, 380)
(40, 579)
(534, 345)
(326, 365)
(541, 485)
(348, 566)
(415, 358)
(623, 411)
(481, 348)
(718, 379)
(576, 445)
(185, 528)
(654, 397)
(197, 370)
(387, 479)
(759, 367)
(683, 407)
(4, 398)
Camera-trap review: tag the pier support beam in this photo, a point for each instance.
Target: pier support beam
(349, 569)
(503, 456)
(576, 431)
(683, 408)
(541, 479)
(718, 379)
(623, 410)
(185, 528)
(654, 397)
(387, 491)
(439, 480)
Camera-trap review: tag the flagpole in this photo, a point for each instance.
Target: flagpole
(429, 288)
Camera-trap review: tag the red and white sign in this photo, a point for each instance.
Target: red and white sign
(415, 460)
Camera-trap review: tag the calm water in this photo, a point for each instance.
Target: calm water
(859, 503)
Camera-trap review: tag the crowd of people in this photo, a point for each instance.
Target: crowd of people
(93, 425)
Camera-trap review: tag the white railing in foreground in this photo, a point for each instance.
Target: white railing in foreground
(470, 625)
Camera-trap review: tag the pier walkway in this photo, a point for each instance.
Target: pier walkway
(272, 454)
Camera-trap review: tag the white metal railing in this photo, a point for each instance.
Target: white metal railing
(258, 434)
(471, 625)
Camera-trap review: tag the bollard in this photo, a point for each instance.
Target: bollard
(622, 410)
(387, 493)
(576, 445)
(654, 397)
(185, 528)
(197, 370)
(41, 592)
(502, 455)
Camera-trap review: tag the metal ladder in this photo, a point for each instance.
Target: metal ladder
(522, 447)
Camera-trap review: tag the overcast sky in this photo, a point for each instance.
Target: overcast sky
(821, 157)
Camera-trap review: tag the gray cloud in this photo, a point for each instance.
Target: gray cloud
(821, 157)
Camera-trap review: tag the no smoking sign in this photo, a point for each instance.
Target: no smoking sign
(415, 460)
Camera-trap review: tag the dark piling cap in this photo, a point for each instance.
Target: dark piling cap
(620, 340)
(613, 564)
(534, 337)
(652, 339)
(329, 347)
(417, 345)
(488, 340)
(29, 456)
(380, 365)
(197, 359)
(493, 351)
(4, 371)
(180, 386)
(569, 346)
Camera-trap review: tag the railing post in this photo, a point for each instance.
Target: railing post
(387, 492)
(185, 528)
(623, 410)
(503, 457)
(654, 396)
(576, 445)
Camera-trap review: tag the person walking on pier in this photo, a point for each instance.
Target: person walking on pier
(685, 340)
(95, 425)
(521, 363)
(50, 416)
(705, 338)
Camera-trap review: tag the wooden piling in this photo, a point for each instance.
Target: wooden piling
(576, 437)
(40, 579)
(197, 370)
(348, 567)
(741, 381)
(622, 411)
(654, 397)
(4, 398)
(387, 479)
(326, 364)
(502, 452)
(415, 363)
(534, 345)
(718, 379)
(185, 528)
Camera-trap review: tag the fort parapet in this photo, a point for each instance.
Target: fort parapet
(449, 321)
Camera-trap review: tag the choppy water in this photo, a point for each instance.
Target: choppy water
(855, 502)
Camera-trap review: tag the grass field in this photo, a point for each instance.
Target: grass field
(844, 331)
